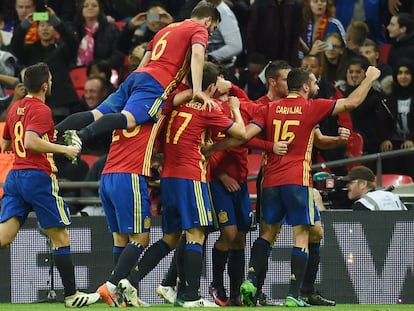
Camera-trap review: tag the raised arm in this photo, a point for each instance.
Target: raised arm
(359, 94)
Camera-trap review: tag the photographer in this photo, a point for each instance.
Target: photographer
(361, 188)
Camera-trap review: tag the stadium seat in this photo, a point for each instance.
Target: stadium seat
(79, 77)
(355, 148)
(384, 50)
(394, 179)
(90, 159)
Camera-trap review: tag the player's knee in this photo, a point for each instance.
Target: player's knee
(315, 235)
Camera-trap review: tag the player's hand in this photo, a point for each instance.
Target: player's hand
(234, 103)
(386, 145)
(201, 97)
(344, 134)
(223, 85)
(373, 73)
(207, 150)
(407, 144)
(71, 152)
(229, 183)
(280, 148)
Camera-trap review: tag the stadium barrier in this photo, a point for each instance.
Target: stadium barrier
(366, 257)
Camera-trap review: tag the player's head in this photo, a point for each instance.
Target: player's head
(303, 81)
(210, 73)
(276, 77)
(37, 79)
(206, 14)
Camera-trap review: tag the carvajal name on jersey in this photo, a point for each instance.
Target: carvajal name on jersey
(289, 110)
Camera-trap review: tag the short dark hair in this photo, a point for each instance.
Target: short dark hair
(406, 20)
(297, 77)
(210, 73)
(359, 60)
(369, 42)
(274, 68)
(206, 9)
(35, 75)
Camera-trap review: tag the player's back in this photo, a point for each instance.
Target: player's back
(186, 130)
(171, 51)
(30, 114)
(292, 119)
(131, 150)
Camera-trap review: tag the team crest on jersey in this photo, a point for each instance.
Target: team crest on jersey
(147, 222)
(223, 217)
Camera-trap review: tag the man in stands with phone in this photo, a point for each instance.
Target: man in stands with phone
(57, 53)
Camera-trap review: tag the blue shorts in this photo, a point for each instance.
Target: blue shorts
(185, 204)
(294, 202)
(233, 208)
(140, 94)
(34, 190)
(125, 202)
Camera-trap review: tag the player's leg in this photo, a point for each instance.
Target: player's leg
(8, 231)
(139, 99)
(308, 292)
(271, 213)
(300, 215)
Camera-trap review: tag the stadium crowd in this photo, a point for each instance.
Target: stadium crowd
(119, 91)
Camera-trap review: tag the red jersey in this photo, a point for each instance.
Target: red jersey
(264, 100)
(171, 52)
(233, 161)
(30, 114)
(131, 150)
(187, 129)
(291, 119)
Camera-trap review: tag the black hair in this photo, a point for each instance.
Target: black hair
(35, 75)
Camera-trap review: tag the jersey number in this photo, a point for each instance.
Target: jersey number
(18, 140)
(187, 118)
(159, 47)
(282, 133)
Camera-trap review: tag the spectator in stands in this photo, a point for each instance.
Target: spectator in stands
(274, 28)
(249, 77)
(361, 188)
(135, 56)
(57, 53)
(401, 31)
(18, 93)
(397, 119)
(334, 60)
(225, 44)
(22, 9)
(356, 33)
(370, 50)
(142, 27)
(102, 69)
(364, 118)
(400, 6)
(7, 62)
(98, 38)
(318, 24)
(368, 11)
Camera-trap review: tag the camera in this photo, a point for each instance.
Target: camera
(153, 17)
(333, 190)
(329, 46)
